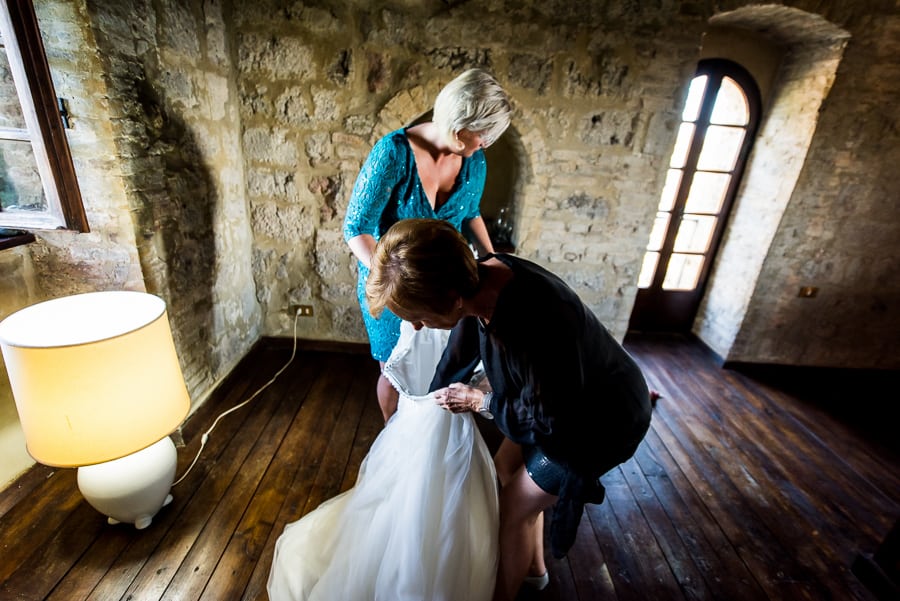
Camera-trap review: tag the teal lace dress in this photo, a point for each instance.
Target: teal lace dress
(388, 190)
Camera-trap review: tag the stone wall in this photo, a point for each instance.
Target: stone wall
(818, 206)
(596, 89)
(841, 230)
(155, 139)
(172, 97)
(811, 49)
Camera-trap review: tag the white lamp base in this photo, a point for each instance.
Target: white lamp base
(134, 488)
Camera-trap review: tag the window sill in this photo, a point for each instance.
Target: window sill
(10, 239)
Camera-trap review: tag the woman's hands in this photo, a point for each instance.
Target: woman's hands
(459, 398)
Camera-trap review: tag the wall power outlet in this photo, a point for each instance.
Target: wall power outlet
(302, 310)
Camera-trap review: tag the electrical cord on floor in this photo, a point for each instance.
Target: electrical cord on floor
(205, 436)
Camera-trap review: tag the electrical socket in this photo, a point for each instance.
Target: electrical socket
(303, 310)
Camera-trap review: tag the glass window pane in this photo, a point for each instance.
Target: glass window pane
(694, 99)
(707, 192)
(10, 109)
(20, 182)
(670, 190)
(682, 272)
(648, 269)
(694, 233)
(731, 105)
(28, 135)
(682, 145)
(659, 231)
(721, 147)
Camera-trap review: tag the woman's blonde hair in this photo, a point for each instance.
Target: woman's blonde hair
(473, 101)
(420, 265)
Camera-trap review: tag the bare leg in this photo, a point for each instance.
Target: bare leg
(538, 567)
(521, 504)
(508, 460)
(388, 397)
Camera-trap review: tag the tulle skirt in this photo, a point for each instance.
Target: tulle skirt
(421, 522)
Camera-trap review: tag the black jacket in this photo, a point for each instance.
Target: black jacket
(560, 382)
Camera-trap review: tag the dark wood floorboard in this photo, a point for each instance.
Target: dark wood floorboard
(752, 484)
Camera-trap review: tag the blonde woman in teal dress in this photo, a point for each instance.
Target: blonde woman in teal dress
(435, 170)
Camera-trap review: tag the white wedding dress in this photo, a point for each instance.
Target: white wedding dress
(421, 522)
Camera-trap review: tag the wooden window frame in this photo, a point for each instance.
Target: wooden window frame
(659, 309)
(720, 69)
(45, 128)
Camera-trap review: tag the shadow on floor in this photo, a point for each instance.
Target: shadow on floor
(862, 399)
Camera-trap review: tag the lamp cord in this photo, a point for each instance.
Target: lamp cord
(205, 436)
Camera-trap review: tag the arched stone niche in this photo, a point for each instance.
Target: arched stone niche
(502, 198)
(809, 49)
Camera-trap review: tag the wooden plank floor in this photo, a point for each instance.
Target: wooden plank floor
(747, 487)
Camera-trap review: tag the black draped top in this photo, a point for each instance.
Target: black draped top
(560, 382)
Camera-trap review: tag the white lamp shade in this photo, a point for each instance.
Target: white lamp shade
(95, 376)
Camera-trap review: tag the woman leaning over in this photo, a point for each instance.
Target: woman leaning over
(570, 401)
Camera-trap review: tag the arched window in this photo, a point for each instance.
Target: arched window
(717, 128)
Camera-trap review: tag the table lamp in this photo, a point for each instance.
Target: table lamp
(98, 386)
